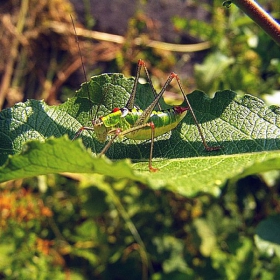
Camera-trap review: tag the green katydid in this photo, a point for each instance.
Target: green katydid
(137, 124)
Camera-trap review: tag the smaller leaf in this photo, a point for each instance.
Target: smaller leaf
(267, 237)
(210, 72)
(208, 238)
(57, 155)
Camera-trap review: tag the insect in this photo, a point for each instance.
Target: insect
(136, 124)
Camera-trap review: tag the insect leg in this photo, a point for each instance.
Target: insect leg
(78, 133)
(152, 169)
(147, 112)
(207, 148)
(131, 101)
(138, 127)
(108, 145)
(118, 133)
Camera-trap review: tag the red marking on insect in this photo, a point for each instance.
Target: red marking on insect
(141, 62)
(118, 131)
(115, 110)
(152, 125)
(174, 75)
(180, 110)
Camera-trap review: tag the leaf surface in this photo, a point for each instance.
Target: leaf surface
(245, 127)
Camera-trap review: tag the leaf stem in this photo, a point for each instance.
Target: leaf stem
(261, 17)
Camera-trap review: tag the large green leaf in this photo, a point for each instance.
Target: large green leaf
(247, 130)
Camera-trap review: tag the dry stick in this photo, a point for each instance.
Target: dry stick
(13, 53)
(62, 76)
(81, 32)
(261, 17)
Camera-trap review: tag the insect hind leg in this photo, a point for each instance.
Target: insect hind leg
(206, 146)
(119, 133)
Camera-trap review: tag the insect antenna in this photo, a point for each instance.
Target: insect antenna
(84, 70)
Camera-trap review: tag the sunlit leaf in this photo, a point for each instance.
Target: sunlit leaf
(247, 130)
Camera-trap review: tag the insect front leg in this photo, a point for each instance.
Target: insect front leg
(116, 133)
(79, 132)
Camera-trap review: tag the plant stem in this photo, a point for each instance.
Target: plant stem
(261, 17)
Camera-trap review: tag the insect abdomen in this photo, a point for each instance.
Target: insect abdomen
(164, 121)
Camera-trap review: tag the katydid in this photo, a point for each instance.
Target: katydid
(137, 124)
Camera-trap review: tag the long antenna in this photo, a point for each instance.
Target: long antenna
(82, 62)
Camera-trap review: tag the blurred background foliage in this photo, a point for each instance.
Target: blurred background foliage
(74, 227)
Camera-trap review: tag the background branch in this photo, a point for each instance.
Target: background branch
(261, 17)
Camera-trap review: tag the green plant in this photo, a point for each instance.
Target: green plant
(200, 216)
(255, 136)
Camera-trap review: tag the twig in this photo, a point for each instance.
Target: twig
(63, 29)
(62, 76)
(261, 17)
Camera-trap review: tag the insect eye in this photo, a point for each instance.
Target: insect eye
(124, 112)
